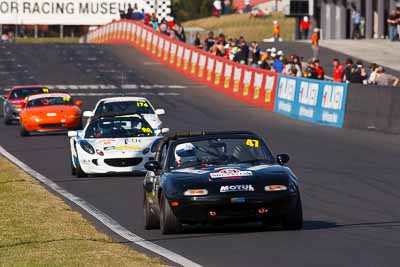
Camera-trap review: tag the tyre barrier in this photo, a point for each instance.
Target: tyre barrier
(321, 102)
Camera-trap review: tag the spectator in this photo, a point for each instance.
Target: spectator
(392, 21)
(245, 51)
(247, 5)
(310, 71)
(129, 13)
(315, 43)
(277, 65)
(356, 19)
(398, 21)
(217, 8)
(337, 70)
(227, 7)
(154, 22)
(305, 26)
(4, 38)
(319, 69)
(209, 42)
(255, 54)
(180, 32)
(197, 41)
(276, 31)
(264, 61)
(347, 70)
(385, 79)
(137, 15)
(372, 73)
(297, 64)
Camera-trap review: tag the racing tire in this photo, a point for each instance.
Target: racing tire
(169, 223)
(151, 221)
(24, 132)
(7, 121)
(79, 172)
(293, 220)
(73, 169)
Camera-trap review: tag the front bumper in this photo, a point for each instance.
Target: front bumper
(52, 125)
(104, 165)
(234, 208)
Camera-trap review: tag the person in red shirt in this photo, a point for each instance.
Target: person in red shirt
(337, 70)
(315, 43)
(319, 69)
(305, 26)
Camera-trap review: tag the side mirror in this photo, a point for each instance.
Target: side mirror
(152, 165)
(164, 130)
(72, 133)
(78, 103)
(282, 159)
(88, 114)
(160, 112)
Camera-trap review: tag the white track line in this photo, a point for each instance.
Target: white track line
(100, 216)
(112, 87)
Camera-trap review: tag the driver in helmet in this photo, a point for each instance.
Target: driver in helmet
(185, 153)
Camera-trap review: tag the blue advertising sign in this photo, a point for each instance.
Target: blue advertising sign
(321, 102)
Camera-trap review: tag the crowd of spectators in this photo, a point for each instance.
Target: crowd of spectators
(241, 51)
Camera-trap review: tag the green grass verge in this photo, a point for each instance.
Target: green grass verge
(39, 229)
(47, 40)
(241, 24)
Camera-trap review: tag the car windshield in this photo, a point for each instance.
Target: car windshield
(50, 101)
(24, 92)
(119, 128)
(133, 107)
(220, 151)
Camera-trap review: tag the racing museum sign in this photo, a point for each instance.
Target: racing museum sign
(65, 12)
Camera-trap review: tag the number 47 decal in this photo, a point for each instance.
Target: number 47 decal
(252, 143)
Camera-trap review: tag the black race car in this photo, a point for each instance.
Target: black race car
(218, 177)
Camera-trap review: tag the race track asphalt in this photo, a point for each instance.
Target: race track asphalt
(350, 180)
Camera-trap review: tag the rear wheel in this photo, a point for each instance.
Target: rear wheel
(294, 218)
(24, 132)
(151, 221)
(169, 223)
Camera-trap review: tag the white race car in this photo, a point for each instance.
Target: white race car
(125, 105)
(112, 144)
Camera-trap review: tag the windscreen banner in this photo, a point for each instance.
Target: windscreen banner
(321, 102)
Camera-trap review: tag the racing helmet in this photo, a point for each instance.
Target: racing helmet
(184, 153)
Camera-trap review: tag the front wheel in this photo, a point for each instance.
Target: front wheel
(169, 223)
(24, 132)
(294, 219)
(151, 221)
(79, 172)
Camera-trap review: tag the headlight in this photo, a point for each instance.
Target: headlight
(87, 147)
(274, 188)
(196, 192)
(35, 118)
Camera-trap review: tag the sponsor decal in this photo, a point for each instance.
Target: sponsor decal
(195, 57)
(202, 64)
(179, 56)
(246, 82)
(258, 78)
(186, 58)
(237, 188)
(210, 67)
(126, 147)
(191, 171)
(308, 93)
(227, 75)
(230, 173)
(218, 71)
(237, 75)
(333, 97)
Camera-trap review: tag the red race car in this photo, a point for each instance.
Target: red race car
(14, 100)
(50, 112)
